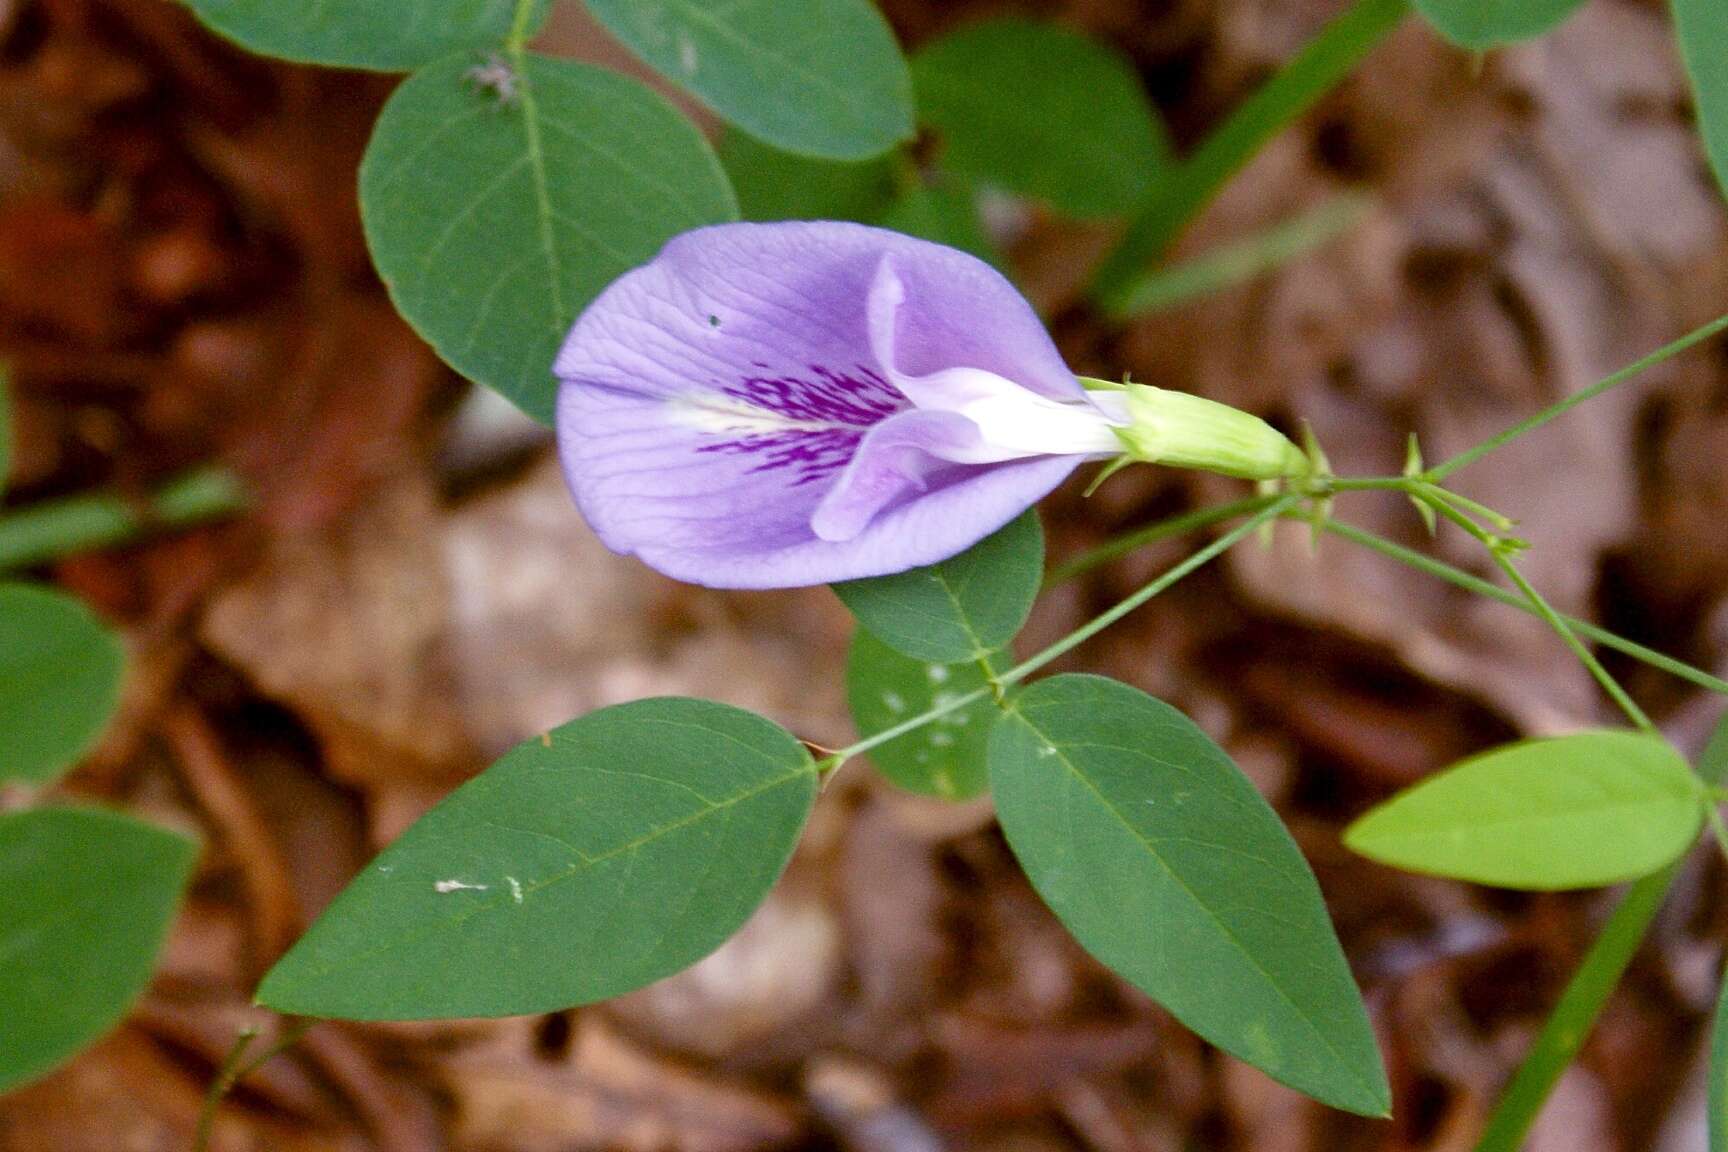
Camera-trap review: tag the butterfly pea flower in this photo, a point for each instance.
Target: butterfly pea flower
(777, 405)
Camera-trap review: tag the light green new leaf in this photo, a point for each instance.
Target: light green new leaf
(1703, 29)
(1158, 854)
(1578, 811)
(60, 673)
(1041, 110)
(392, 37)
(961, 609)
(776, 185)
(818, 77)
(86, 898)
(1482, 24)
(620, 848)
(943, 758)
(495, 220)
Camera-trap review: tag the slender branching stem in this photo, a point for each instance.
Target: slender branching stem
(1060, 648)
(236, 1068)
(226, 1077)
(1554, 411)
(1501, 553)
(1151, 534)
(1472, 583)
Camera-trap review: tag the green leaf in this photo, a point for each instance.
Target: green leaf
(60, 673)
(945, 215)
(616, 850)
(1703, 29)
(86, 899)
(943, 758)
(776, 185)
(1482, 24)
(1162, 859)
(1041, 110)
(818, 77)
(494, 221)
(1573, 812)
(392, 37)
(961, 609)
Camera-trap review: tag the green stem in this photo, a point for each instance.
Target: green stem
(1471, 583)
(987, 666)
(1179, 195)
(1588, 991)
(1554, 411)
(1496, 548)
(1213, 550)
(1163, 530)
(235, 1069)
(1019, 672)
(1567, 1028)
(57, 528)
(226, 1077)
(1585, 657)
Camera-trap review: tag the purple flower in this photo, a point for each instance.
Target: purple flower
(775, 405)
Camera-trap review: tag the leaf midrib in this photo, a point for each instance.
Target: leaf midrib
(487, 903)
(1194, 898)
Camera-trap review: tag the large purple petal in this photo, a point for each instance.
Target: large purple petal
(901, 457)
(714, 398)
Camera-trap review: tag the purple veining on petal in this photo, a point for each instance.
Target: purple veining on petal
(848, 406)
(836, 398)
(814, 455)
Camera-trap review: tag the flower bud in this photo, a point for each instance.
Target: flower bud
(1181, 430)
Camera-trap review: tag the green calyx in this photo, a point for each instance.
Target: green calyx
(1181, 430)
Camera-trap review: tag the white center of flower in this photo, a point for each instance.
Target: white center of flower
(1015, 422)
(725, 416)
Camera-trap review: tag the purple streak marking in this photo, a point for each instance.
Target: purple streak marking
(850, 404)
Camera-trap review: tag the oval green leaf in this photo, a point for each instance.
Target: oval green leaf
(394, 37)
(817, 77)
(86, 899)
(776, 185)
(1544, 815)
(617, 850)
(1158, 854)
(959, 610)
(60, 674)
(494, 219)
(944, 758)
(1703, 29)
(1043, 111)
(1483, 24)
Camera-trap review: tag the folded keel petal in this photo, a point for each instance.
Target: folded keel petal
(896, 459)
